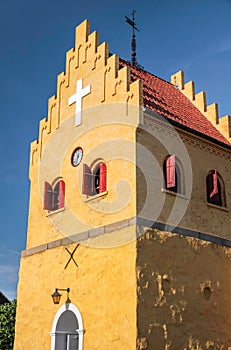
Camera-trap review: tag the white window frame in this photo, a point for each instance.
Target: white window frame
(79, 331)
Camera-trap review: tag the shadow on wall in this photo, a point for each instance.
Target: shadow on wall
(183, 287)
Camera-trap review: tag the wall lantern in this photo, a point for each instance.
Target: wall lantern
(56, 296)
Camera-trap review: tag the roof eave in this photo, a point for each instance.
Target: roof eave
(188, 129)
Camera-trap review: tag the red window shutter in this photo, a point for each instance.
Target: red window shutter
(215, 185)
(61, 194)
(170, 172)
(48, 195)
(87, 184)
(103, 178)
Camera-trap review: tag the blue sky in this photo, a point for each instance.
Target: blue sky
(191, 35)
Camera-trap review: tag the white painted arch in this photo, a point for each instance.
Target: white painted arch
(79, 331)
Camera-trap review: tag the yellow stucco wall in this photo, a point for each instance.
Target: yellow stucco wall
(103, 287)
(189, 209)
(183, 287)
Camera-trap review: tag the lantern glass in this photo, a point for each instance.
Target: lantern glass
(56, 296)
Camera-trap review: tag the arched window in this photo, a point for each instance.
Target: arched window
(172, 174)
(94, 181)
(54, 196)
(215, 188)
(67, 329)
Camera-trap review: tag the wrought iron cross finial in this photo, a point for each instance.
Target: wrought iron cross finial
(133, 25)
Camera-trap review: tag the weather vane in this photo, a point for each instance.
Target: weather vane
(132, 23)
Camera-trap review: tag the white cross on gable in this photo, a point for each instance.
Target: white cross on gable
(77, 97)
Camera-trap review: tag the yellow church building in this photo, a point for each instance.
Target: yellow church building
(129, 229)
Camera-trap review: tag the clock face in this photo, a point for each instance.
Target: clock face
(77, 156)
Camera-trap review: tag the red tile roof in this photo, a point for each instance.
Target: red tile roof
(166, 99)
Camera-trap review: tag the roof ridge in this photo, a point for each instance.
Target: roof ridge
(144, 70)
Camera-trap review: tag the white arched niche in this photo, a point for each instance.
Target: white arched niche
(67, 329)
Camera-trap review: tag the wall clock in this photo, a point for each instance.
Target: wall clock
(77, 156)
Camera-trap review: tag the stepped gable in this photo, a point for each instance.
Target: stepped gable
(166, 99)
